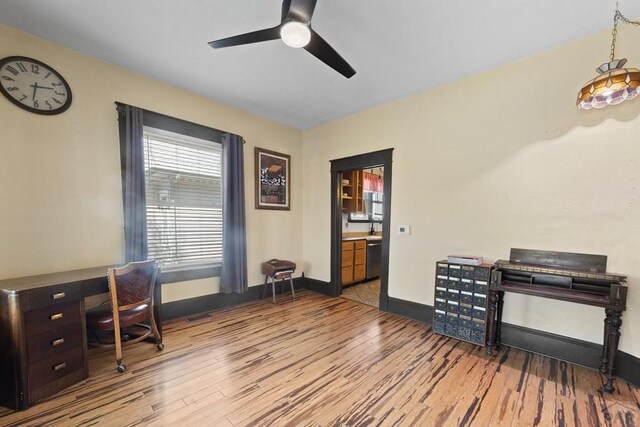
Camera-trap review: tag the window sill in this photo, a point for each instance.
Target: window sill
(183, 274)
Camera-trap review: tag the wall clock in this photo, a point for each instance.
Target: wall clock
(33, 85)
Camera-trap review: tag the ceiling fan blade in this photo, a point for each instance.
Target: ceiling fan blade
(319, 48)
(286, 5)
(300, 10)
(248, 38)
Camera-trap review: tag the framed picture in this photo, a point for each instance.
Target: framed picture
(273, 180)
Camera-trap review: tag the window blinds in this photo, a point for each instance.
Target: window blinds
(184, 198)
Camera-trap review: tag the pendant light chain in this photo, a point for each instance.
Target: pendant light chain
(614, 33)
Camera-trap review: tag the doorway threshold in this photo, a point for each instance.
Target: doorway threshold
(366, 293)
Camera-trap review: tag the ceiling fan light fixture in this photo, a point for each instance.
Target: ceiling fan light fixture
(294, 30)
(295, 34)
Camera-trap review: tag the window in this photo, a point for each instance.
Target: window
(183, 198)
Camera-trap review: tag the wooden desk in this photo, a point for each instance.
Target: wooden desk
(43, 333)
(578, 278)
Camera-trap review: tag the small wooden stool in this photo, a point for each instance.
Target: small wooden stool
(277, 269)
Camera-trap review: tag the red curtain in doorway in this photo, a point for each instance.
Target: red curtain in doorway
(372, 182)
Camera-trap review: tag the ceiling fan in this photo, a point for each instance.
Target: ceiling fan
(295, 31)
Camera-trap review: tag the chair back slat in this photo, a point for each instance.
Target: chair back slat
(134, 283)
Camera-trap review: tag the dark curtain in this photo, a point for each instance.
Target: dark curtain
(133, 190)
(234, 237)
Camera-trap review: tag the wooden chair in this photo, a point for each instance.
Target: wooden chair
(131, 288)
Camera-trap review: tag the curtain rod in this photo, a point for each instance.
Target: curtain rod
(120, 105)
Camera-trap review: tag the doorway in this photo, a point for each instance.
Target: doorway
(341, 168)
(362, 218)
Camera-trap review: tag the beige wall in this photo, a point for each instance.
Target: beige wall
(60, 197)
(491, 162)
(499, 160)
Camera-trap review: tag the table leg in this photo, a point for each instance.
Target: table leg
(605, 342)
(491, 321)
(273, 288)
(293, 293)
(264, 288)
(500, 303)
(614, 337)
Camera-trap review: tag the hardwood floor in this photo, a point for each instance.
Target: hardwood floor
(319, 361)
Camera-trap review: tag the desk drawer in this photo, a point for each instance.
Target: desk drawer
(53, 317)
(60, 294)
(54, 342)
(55, 367)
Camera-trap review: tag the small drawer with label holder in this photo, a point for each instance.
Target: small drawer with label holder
(452, 318)
(467, 272)
(480, 300)
(480, 287)
(465, 321)
(453, 295)
(479, 312)
(442, 269)
(453, 307)
(466, 297)
(466, 285)
(440, 316)
(482, 274)
(455, 271)
(479, 324)
(465, 309)
(454, 284)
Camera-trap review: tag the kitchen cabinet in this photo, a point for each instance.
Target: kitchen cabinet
(354, 261)
(352, 194)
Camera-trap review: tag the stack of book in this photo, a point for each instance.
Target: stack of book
(463, 259)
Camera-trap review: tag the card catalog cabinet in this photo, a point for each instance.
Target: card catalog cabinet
(460, 306)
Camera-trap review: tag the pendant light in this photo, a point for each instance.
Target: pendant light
(614, 83)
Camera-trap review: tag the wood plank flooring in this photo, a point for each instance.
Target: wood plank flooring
(319, 361)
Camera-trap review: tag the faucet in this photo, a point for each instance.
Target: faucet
(372, 231)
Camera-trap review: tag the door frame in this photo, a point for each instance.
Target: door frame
(382, 158)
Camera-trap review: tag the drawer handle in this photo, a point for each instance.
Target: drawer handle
(60, 366)
(59, 341)
(59, 295)
(56, 316)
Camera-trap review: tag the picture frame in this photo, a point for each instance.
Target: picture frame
(273, 180)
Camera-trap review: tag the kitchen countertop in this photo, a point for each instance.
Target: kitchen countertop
(368, 238)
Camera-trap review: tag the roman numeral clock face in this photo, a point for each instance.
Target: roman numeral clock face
(33, 85)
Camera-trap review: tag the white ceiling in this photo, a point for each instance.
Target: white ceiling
(398, 47)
